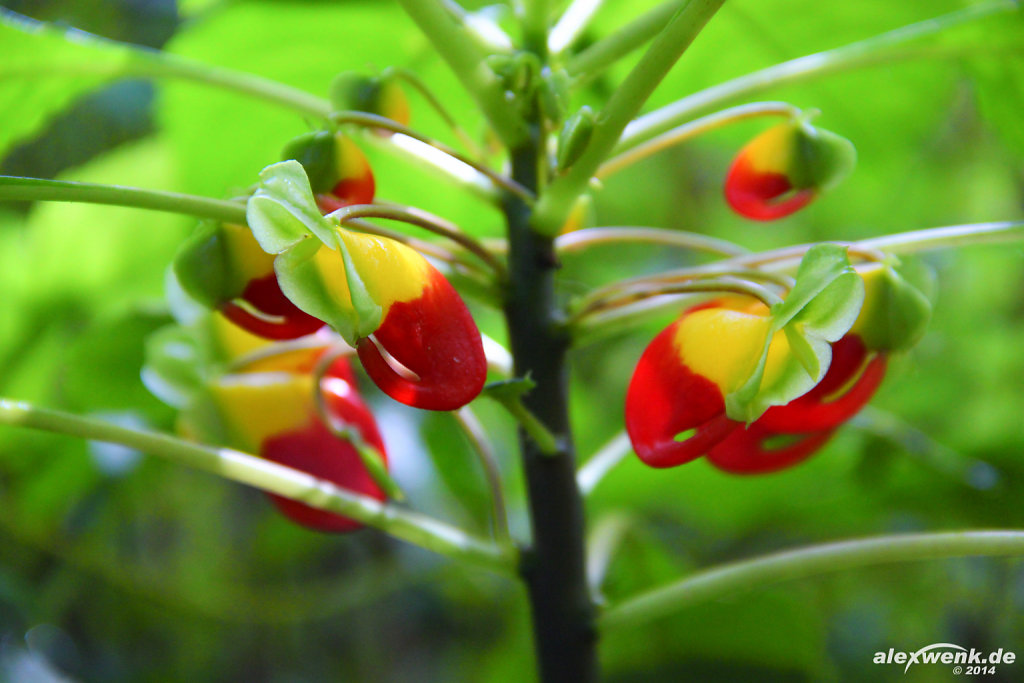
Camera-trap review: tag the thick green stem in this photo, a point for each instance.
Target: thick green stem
(456, 46)
(38, 189)
(535, 27)
(555, 204)
(269, 476)
(731, 579)
(881, 49)
(591, 63)
(554, 565)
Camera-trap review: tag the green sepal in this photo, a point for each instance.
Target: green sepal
(574, 137)
(282, 212)
(202, 267)
(820, 308)
(823, 158)
(895, 314)
(173, 370)
(352, 91)
(286, 221)
(369, 314)
(318, 154)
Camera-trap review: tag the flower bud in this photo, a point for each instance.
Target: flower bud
(781, 170)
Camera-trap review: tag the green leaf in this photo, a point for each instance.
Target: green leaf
(282, 212)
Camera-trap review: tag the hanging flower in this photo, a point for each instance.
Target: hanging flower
(781, 170)
(223, 267)
(414, 334)
(676, 407)
(273, 412)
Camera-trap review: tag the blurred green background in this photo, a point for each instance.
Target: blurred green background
(119, 567)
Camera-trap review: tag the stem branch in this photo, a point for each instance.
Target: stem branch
(269, 476)
(730, 579)
(38, 189)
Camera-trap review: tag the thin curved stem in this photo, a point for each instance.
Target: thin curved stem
(477, 436)
(374, 121)
(738, 281)
(588, 237)
(373, 459)
(422, 219)
(593, 61)
(875, 50)
(690, 130)
(606, 321)
(268, 476)
(39, 189)
(737, 577)
(124, 59)
(455, 43)
(555, 204)
(947, 237)
(602, 462)
(280, 348)
(422, 246)
(417, 83)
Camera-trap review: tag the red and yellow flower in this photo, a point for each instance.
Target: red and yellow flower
(413, 333)
(269, 408)
(781, 170)
(300, 271)
(223, 266)
(676, 402)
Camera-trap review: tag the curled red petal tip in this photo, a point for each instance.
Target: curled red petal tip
(666, 399)
(438, 345)
(852, 379)
(750, 450)
(273, 315)
(762, 195)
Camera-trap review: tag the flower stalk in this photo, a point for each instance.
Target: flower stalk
(411, 527)
(803, 563)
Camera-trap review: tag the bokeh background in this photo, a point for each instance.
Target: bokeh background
(115, 566)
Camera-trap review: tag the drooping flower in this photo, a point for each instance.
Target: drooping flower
(223, 267)
(414, 334)
(273, 412)
(781, 170)
(676, 404)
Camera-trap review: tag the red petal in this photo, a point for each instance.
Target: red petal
(665, 398)
(273, 315)
(319, 452)
(745, 451)
(436, 339)
(760, 195)
(819, 409)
